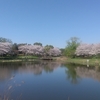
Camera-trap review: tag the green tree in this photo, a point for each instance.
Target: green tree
(47, 48)
(5, 40)
(38, 43)
(14, 50)
(21, 44)
(15, 46)
(62, 51)
(72, 44)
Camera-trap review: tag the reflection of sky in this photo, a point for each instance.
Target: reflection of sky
(50, 84)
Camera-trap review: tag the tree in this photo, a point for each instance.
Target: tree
(39, 50)
(38, 43)
(31, 49)
(62, 51)
(14, 51)
(5, 48)
(49, 46)
(21, 44)
(15, 46)
(47, 49)
(5, 40)
(72, 44)
(88, 50)
(54, 52)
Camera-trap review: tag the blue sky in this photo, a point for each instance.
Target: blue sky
(50, 21)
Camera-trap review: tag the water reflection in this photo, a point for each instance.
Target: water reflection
(11, 76)
(48, 81)
(4, 74)
(38, 67)
(93, 73)
(8, 70)
(76, 72)
(72, 74)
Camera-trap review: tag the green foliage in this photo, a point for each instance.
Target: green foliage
(5, 40)
(47, 48)
(62, 51)
(21, 44)
(72, 44)
(38, 43)
(15, 46)
(14, 51)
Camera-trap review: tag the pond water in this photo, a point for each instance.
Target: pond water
(48, 81)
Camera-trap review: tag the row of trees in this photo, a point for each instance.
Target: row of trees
(88, 50)
(39, 50)
(7, 47)
(76, 48)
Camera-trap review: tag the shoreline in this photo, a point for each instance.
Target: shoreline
(86, 62)
(81, 61)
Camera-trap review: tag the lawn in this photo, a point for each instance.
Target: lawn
(91, 62)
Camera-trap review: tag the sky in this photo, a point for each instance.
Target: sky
(50, 22)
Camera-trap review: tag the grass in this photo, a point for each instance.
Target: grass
(30, 57)
(18, 58)
(21, 58)
(91, 62)
(81, 61)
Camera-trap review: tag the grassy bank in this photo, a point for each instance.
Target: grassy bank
(23, 58)
(18, 58)
(87, 62)
(80, 61)
(62, 59)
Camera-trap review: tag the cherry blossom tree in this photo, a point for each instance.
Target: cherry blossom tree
(88, 50)
(31, 49)
(54, 51)
(5, 48)
(39, 50)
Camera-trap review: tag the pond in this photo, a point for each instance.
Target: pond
(48, 81)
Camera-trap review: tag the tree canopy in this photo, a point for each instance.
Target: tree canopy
(72, 44)
(88, 50)
(5, 48)
(39, 50)
(5, 40)
(38, 43)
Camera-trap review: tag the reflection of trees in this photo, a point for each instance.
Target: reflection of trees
(4, 74)
(38, 67)
(7, 70)
(76, 72)
(29, 67)
(91, 72)
(49, 67)
(71, 74)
